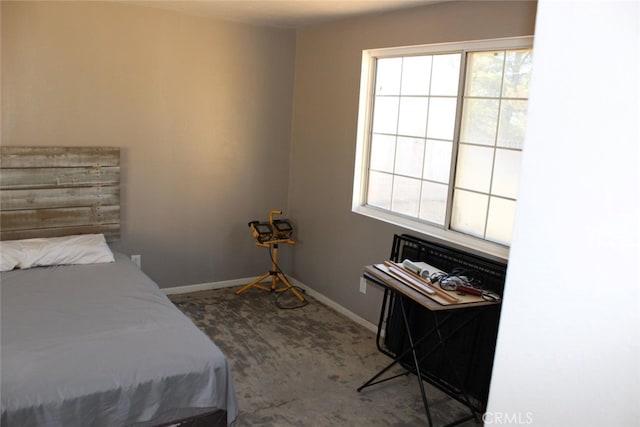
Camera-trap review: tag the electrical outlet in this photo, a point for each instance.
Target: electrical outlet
(137, 259)
(363, 285)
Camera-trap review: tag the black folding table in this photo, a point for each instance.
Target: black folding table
(396, 292)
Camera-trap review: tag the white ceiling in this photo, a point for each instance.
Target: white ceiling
(282, 13)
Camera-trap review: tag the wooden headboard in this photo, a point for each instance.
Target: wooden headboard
(59, 191)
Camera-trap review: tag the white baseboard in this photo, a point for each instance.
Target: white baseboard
(334, 305)
(237, 282)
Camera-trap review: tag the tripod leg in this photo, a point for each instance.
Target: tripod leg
(284, 280)
(255, 283)
(274, 268)
(274, 280)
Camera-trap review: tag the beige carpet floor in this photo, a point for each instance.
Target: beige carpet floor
(302, 367)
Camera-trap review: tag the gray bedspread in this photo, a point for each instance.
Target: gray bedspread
(101, 345)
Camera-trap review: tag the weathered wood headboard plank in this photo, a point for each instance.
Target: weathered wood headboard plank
(58, 191)
(111, 232)
(14, 178)
(59, 157)
(29, 219)
(38, 198)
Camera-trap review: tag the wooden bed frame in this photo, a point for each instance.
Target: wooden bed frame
(59, 191)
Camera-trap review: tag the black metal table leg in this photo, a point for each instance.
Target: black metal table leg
(465, 396)
(412, 350)
(396, 358)
(415, 361)
(394, 299)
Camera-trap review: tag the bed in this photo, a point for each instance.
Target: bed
(91, 340)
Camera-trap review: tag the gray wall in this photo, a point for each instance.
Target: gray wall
(201, 109)
(334, 242)
(213, 134)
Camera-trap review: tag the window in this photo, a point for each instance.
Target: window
(440, 136)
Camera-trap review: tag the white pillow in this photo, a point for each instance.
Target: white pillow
(80, 249)
(9, 256)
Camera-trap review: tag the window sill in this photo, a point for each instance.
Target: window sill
(471, 244)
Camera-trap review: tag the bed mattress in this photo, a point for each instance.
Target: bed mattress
(101, 345)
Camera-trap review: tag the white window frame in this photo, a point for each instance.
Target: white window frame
(365, 111)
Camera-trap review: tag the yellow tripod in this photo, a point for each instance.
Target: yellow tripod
(275, 273)
(269, 235)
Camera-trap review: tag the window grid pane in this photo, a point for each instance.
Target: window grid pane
(412, 132)
(415, 98)
(406, 196)
(494, 115)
